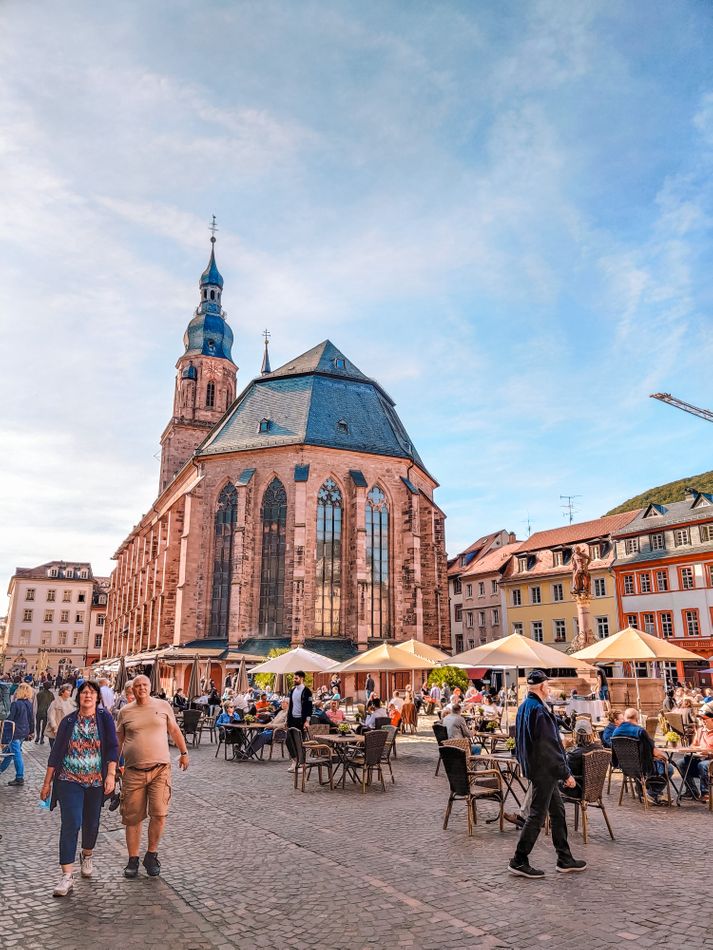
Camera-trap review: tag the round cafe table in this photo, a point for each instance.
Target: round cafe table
(595, 708)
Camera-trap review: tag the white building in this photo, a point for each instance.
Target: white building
(49, 616)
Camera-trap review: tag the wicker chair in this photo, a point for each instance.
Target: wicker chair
(368, 758)
(652, 724)
(309, 755)
(318, 729)
(279, 737)
(207, 724)
(468, 786)
(441, 734)
(677, 723)
(190, 725)
(389, 748)
(595, 766)
(631, 762)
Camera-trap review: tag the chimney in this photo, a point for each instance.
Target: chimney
(511, 538)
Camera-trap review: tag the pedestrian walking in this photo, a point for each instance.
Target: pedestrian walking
(143, 728)
(543, 761)
(81, 772)
(59, 708)
(369, 686)
(300, 706)
(21, 714)
(44, 700)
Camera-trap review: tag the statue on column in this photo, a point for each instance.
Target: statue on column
(581, 578)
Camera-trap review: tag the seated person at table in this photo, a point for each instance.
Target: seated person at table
(698, 767)
(280, 719)
(228, 693)
(334, 713)
(377, 716)
(655, 761)
(394, 714)
(472, 696)
(229, 714)
(490, 710)
(262, 704)
(179, 700)
(616, 717)
(457, 727)
(584, 740)
(319, 716)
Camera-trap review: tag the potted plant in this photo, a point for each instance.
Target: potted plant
(249, 718)
(344, 728)
(491, 726)
(510, 745)
(672, 738)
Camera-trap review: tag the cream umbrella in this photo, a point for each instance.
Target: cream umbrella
(297, 659)
(634, 646)
(385, 659)
(241, 684)
(425, 651)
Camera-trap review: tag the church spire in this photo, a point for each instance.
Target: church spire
(266, 368)
(211, 275)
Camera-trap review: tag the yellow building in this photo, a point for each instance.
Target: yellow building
(536, 586)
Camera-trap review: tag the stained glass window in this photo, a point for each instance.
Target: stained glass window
(377, 560)
(210, 395)
(224, 531)
(329, 560)
(272, 569)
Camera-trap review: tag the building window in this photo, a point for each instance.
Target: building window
(517, 628)
(67, 596)
(496, 617)
(686, 577)
(53, 572)
(469, 619)
(602, 627)
(537, 630)
(681, 537)
(329, 560)
(494, 587)
(600, 587)
(595, 551)
(343, 427)
(644, 583)
(27, 616)
(458, 613)
(69, 572)
(468, 590)
(517, 597)
(649, 623)
(481, 618)
(658, 541)
(30, 593)
(45, 638)
(64, 616)
(628, 583)
(557, 593)
(666, 623)
(62, 638)
(223, 539)
(690, 623)
(661, 581)
(79, 617)
(459, 643)
(210, 395)
(457, 585)
(481, 588)
(631, 546)
(560, 631)
(535, 595)
(75, 639)
(84, 573)
(24, 638)
(264, 425)
(558, 558)
(81, 598)
(706, 532)
(97, 641)
(100, 620)
(51, 595)
(339, 362)
(49, 616)
(521, 565)
(377, 560)
(632, 620)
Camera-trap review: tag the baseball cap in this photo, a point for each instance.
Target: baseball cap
(585, 726)
(706, 710)
(535, 677)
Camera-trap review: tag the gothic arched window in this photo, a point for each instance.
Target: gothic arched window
(224, 531)
(210, 395)
(329, 560)
(377, 563)
(272, 567)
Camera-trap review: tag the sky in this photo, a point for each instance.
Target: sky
(502, 212)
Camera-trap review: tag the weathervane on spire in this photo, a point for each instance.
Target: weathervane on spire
(265, 369)
(212, 227)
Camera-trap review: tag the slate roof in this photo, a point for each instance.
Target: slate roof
(211, 275)
(645, 557)
(41, 571)
(584, 531)
(673, 513)
(314, 400)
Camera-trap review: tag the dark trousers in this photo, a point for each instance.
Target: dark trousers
(80, 807)
(546, 800)
(40, 723)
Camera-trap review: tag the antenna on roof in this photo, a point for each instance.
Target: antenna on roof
(528, 522)
(568, 507)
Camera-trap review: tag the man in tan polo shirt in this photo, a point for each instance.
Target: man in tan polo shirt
(143, 728)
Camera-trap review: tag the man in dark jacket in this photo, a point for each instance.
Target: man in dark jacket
(299, 710)
(543, 761)
(45, 698)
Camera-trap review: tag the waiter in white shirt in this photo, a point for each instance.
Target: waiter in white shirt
(300, 707)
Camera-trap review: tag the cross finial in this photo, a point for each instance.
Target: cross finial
(266, 335)
(212, 227)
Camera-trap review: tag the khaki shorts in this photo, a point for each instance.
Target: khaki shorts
(145, 792)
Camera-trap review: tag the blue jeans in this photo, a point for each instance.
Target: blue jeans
(16, 748)
(80, 806)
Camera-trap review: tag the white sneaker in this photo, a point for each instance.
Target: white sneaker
(64, 886)
(291, 768)
(85, 864)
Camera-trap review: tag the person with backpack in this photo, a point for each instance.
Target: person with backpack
(21, 714)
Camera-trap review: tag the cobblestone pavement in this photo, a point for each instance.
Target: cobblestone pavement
(250, 862)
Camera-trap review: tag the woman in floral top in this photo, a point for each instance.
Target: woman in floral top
(80, 773)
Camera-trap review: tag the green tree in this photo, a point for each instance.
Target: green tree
(263, 680)
(448, 674)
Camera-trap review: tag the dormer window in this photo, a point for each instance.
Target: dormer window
(595, 551)
(53, 572)
(339, 362)
(212, 295)
(84, 574)
(211, 345)
(264, 425)
(343, 426)
(68, 572)
(521, 565)
(558, 557)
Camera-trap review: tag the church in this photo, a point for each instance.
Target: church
(298, 513)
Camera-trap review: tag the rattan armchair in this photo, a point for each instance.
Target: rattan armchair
(367, 758)
(595, 766)
(629, 754)
(441, 734)
(468, 786)
(309, 755)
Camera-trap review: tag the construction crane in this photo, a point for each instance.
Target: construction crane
(686, 406)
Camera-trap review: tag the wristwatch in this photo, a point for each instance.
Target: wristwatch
(181, 754)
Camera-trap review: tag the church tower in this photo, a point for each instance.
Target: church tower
(205, 375)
